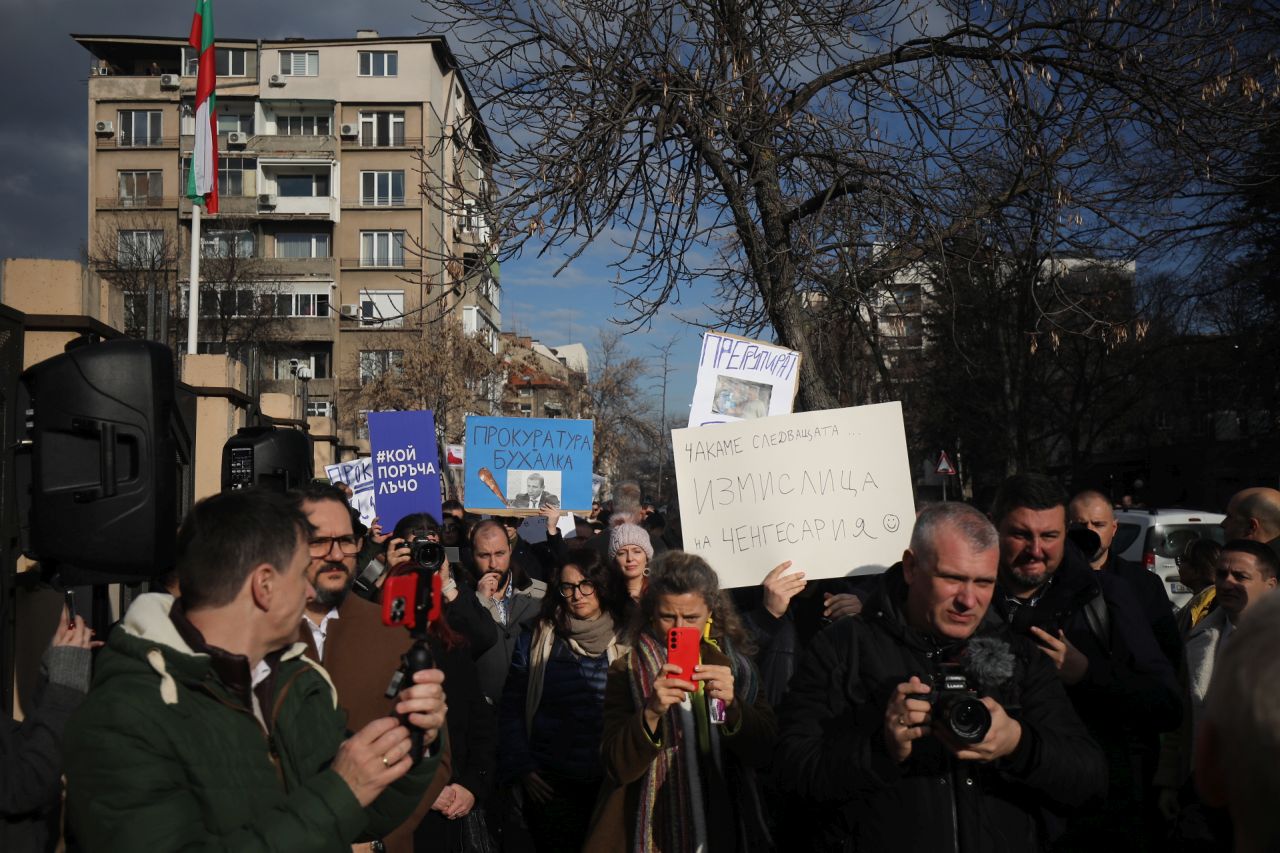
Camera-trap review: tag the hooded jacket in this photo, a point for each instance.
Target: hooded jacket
(163, 755)
(832, 748)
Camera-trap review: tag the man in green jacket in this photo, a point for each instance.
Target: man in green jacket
(207, 728)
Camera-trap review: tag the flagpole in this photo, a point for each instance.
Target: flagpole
(193, 298)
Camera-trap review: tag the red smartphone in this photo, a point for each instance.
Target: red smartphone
(400, 601)
(684, 650)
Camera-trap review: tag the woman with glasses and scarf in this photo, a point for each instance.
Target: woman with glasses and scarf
(553, 704)
(680, 749)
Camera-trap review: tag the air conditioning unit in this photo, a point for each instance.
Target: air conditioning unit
(348, 130)
(100, 71)
(237, 138)
(104, 127)
(275, 80)
(266, 200)
(169, 81)
(351, 311)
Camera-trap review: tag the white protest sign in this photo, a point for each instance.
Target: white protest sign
(741, 379)
(830, 491)
(358, 474)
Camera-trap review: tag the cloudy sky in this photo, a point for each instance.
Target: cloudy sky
(43, 144)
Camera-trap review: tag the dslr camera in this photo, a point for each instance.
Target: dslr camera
(428, 554)
(957, 707)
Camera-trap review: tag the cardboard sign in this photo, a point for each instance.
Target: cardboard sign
(516, 466)
(830, 491)
(406, 467)
(358, 474)
(741, 379)
(453, 454)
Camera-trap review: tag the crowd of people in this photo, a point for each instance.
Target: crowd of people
(1011, 684)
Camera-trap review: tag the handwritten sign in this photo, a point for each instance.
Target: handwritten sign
(516, 466)
(358, 474)
(741, 379)
(406, 465)
(830, 491)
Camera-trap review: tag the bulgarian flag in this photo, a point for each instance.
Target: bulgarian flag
(202, 177)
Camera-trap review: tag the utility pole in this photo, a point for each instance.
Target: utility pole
(664, 439)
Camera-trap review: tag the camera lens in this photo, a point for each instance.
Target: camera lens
(967, 718)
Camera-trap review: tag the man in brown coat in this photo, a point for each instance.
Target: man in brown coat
(345, 634)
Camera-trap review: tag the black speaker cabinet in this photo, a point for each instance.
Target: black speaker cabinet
(11, 332)
(265, 456)
(102, 480)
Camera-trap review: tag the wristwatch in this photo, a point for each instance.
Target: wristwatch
(377, 846)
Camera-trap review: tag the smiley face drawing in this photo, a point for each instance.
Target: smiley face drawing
(891, 522)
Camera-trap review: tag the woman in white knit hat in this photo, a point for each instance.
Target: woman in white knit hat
(630, 551)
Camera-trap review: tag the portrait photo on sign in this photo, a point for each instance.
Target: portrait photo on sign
(741, 398)
(533, 489)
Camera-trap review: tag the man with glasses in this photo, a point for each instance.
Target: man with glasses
(345, 633)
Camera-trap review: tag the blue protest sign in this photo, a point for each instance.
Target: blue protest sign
(406, 465)
(516, 466)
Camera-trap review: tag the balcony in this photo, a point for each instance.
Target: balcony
(352, 143)
(408, 262)
(285, 146)
(118, 140)
(140, 203)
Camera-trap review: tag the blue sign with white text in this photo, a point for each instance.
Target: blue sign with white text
(406, 465)
(515, 464)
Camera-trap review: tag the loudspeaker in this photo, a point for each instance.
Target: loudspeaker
(100, 468)
(278, 459)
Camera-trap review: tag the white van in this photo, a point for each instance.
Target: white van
(1155, 538)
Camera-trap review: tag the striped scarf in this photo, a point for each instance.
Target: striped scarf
(673, 786)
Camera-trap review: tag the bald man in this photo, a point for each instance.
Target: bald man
(1092, 510)
(1254, 514)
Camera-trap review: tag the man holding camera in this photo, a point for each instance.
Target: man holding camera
(207, 726)
(925, 724)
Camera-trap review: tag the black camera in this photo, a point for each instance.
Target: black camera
(428, 554)
(957, 707)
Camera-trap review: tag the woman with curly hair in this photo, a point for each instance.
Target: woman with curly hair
(680, 748)
(553, 703)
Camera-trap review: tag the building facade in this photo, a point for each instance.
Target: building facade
(349, 172)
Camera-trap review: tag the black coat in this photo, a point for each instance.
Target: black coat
(832, 743)
(1149, 590)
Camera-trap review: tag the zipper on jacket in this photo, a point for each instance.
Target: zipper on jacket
(272, 749)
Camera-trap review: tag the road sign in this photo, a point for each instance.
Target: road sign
(945, 466)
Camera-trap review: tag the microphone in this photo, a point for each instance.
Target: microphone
(989, 661)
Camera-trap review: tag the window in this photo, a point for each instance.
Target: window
(382, 189)
(300, 63)
(231, 172)
(139, 189)
(378, 63)
(374, 363)
(302, 245)
(231, 302)
(303, 186)
(383, 308)
(302, 304)
(229, 122)
(139, 128)
(381, 129)
(526, 410)
(319, 408)
(303, 125)
(141, 248)
(231, 61)
(381, 248)
(226, 244)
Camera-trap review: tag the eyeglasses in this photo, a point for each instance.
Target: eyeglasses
(583, 588)
(322, 545)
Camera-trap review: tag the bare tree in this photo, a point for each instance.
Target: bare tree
(138, 254)
(240, 289)
(626, 433)
(824, 145)
(434, 366)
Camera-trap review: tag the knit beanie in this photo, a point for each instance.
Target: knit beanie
(629, 534)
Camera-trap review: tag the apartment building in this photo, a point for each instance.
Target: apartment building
(349, 172)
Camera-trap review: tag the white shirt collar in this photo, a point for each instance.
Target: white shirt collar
(320, 632)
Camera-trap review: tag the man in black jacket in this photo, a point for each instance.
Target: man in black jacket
(1092, 627)
(864, 727)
